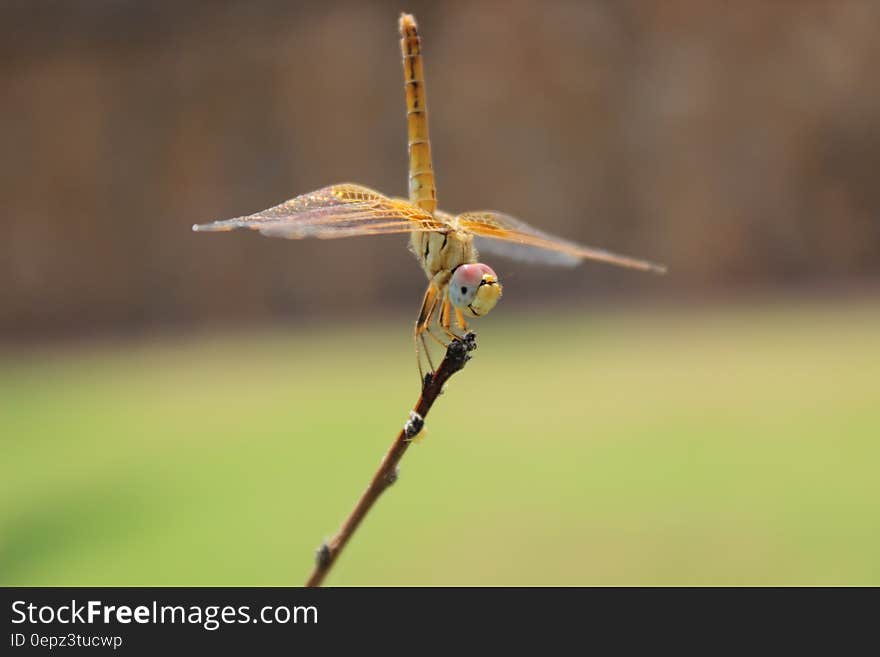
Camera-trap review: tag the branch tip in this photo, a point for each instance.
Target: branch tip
(470, 340)
(459, 350)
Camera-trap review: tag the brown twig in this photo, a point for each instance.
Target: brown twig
(457, 354)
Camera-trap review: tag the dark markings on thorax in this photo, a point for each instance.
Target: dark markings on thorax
(428, 244)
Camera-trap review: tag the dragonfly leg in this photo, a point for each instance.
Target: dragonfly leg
(459, 317)
(446, 318)
(429, 320)
(423, 323)
(422, 350)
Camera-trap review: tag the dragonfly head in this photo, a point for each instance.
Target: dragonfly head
(474, 288)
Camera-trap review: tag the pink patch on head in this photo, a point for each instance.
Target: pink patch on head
(472, 274)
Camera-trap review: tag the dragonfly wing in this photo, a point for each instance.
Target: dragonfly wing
(525, 252)
(506, 236)
(337, 211)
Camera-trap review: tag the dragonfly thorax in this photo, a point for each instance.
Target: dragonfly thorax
(442, 252)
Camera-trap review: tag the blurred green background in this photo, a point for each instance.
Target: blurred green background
(734, 447)
(204, 409)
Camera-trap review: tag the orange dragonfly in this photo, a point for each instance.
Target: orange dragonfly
(445, 245)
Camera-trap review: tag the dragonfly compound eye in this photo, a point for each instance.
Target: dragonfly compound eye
(474, 288)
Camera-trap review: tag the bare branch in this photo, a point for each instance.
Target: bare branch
(457, 354)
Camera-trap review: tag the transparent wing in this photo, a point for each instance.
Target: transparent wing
(337, 211)
(508, 237)
(525, 252)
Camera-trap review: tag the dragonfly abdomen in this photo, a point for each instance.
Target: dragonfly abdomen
(422, 191)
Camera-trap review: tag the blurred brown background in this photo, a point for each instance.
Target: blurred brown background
(739, 143)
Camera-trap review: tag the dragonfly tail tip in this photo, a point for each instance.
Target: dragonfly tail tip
(407, 22)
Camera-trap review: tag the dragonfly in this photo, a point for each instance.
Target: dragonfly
(460, 287)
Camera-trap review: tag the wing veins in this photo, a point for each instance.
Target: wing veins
(338, 211)
(497, 226)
